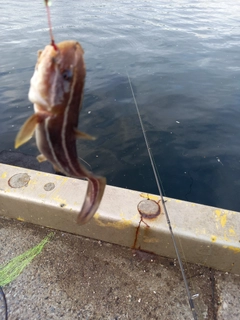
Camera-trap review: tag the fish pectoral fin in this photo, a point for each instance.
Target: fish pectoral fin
(39, 53)
(27, 130)
(41, 158)
(82, 135)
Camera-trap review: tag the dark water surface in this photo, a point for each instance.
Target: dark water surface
(183, 60)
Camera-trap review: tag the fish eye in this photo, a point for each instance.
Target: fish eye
(67, 75)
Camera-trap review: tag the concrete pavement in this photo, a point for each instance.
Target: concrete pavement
(79, 278)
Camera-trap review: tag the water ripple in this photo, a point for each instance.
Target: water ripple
(183, 59)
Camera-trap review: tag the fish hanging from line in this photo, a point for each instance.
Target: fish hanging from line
(56, 91)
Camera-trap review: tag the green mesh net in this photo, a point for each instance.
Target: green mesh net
(14, 267)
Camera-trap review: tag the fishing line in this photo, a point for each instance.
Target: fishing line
(47, 4)
(190, 297)
(5, 303)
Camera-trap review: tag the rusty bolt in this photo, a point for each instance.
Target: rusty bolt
(19, 180)
(149, 209)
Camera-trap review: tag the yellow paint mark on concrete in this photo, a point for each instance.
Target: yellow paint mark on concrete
(232, 231)
(150, 240)
(32, 182)
(20, 219)
(177, 200)
(134, 218)
(213, 238)
(226, 237)
(150, 196)
(58, 177)
(223, 220)
(218, 212)
(58, 199)
(4, 175)
(200, 231)
(121, 224)
(45, 174)
(131, 191)
(221, 217)
(234, 249)
(122, 215)
(97, 215)
(43, 196)
(115, 224)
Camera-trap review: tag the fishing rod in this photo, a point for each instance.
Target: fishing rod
(190, 297)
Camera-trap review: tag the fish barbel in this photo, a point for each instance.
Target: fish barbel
(56, 91)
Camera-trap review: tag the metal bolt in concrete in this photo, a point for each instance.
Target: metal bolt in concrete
(19, 180)
(149, 209)
(49, 186)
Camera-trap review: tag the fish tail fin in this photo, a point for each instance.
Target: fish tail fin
(95, 190)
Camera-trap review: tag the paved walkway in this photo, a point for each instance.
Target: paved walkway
(79, 278)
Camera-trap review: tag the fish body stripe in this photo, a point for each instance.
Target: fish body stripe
(64, 126)
(50, 145)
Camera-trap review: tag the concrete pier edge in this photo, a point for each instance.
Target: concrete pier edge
(205, 235)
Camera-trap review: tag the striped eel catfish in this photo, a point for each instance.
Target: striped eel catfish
(56, 91)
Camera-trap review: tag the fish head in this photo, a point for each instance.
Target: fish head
(58, 77)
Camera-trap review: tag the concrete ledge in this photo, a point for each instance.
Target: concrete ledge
(205, 235)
